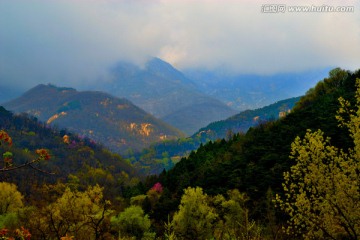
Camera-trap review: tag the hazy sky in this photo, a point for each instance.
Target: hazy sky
(76, 41)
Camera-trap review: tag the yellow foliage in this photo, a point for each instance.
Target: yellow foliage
(144, 129)
(66, 237)
(10, 198)
(66, 139)
(75, 213)
(55, 116)
(322, 194)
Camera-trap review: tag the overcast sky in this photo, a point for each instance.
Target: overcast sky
(70, 42)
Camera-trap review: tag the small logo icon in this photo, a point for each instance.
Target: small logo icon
(273, 8)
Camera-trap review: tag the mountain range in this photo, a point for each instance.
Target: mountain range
(160, 89)
(121, 126)
(192, 98)
(255, 162)
(248, 167)
(244, 120)
(114, 122)
(252, 91)
(181, 103)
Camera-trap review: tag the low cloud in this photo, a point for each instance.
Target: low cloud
(75, 42)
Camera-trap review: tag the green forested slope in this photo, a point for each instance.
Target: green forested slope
(165, 154)
(254, 162)
(76, 159)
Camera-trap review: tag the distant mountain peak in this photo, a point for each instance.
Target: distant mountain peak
(167, 93)
(159, 64)
(52, 87)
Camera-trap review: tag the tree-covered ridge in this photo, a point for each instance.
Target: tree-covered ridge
(165, 154)
(264, 149)
(73, 158)
(115, 122)
(243, 121)
(315, 110)
(254, 162)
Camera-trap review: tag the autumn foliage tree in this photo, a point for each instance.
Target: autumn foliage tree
(5, 139)
(10, 198)
(322, 190)
(83, 215)
(11, 202)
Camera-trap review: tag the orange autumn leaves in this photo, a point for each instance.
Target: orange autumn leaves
(5, 138)
(8, 156)
(43, 154)
(21, 233)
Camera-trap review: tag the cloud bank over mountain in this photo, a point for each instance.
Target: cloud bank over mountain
(76, 42)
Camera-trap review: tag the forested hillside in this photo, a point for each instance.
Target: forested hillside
(165, 154)
(244, 120)
(283, 179)
(254, 162)
(114, 122)
(73, 158)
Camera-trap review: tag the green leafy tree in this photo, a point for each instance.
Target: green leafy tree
(322, 190)
(234, 220)
(195, 218)
(11, 202)
(138, 200)
(133, 223)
